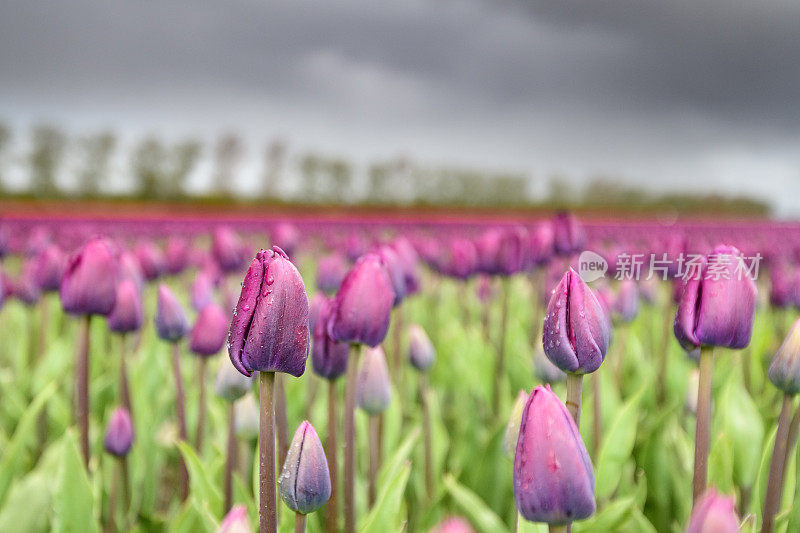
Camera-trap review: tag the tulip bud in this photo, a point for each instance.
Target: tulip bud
(246, 417)
(201, 291)
(227, 250)
(373, 387)
(486, 247)
(512, 427)
(329, 357)
(453, 524)
(409, 264)
(513, 250)
(269, 331)
(89, 284)
(784, 372)
(544, 370)
(287, 237)
(230, 383)
(151, 261)
(331, 270)
(541, 244)
(553, 478)
(718, 304)
(25, 289)
(49, 269)
(713, 513)
(568, 235)
(626, 304)
(127, 314)
(392, 263)
(236, 521)
(171, 322)
(421, 352)
(354, 246)
(176, 257)
(209, 332)
(576, 328)
(363, 305)
(129, 269)
(119, 433)
(305, 483)
(459, 259)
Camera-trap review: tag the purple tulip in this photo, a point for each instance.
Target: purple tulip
(151, 261)
(127, 314)
(227, 250)
(176, 256)
(129, 269)
(171, 324)
(236, 521)
(784, 371)
(780, 286)
(713, 513)
(459, 259)
(201, 291)
(373, 387)
(25, 289)
(576, 328)
(231, 384)
(49, 269)
(328, 356)
(363, 305)
(513, 250)
(568, 235)
(453, 524)
(331, 270)
(39, 239)
(409, 264)
(89, 284)
(718, 304)
(553, 478)
(305, 482)
(209, 332)
(287, 237)
(421, 352)
(269, 331)
(626, 303)
(487, 246)
(119, 433)
(542, 244)
(354, 246)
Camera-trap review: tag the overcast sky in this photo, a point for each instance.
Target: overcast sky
(679, 94)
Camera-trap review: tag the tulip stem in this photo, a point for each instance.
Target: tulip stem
(126, 490)
(180, 409)
(426, 429)
(332, 518)
(124, 389)
(661, 391)
(501, 346)
(558, 529)
(772, 501)
(267, 504)
(350, 441)
(281, 422)
(82, 387)
(201, 408)
(112, 499)
(597, 418)
(299, 523)
(374, 432)
(703, 422)
(791, 440)
(230, 458)
(574, 392)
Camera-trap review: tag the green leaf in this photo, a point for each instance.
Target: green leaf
(720, 464)
(203, 488)
(73, 502)
(481, 516)
(28, 505)
(13, 453)
(608, 519)
(523, 526)
(618, 445)
(385, 515)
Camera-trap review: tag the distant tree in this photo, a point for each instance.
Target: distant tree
(97, 150)
(49, 144)
(274, 161)
(184, 157)
(228, 153)
(5, 141)
(148, 163)
(310, 166)
(341, 173)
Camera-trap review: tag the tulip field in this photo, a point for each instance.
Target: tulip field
(557, 373)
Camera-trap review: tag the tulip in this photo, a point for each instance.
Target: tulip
(553, 478)
(287, 237)
(305, 484)
(459, 259)
(202, 290)
(373, 395)
(716, 309)
(486, 247)
(206, 339)
(541, 244)
(513, 251)
(626, 304)
(453, 524)
(129, 269)
(119, 433)
(784, 373)
(568, 235)
(236, 521)
(391, 262)
(126, 316)
(227, 250)
(329, 357)
(176, 256)
(170, 320)
(88, 287)
(118, 441)
(50, 265)
(25, 289)
(713, 513)
(269, 333)
(331, 270)
(421, 352)
(409, 264)
(246, 415)
(39, 239)
(151, 261)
